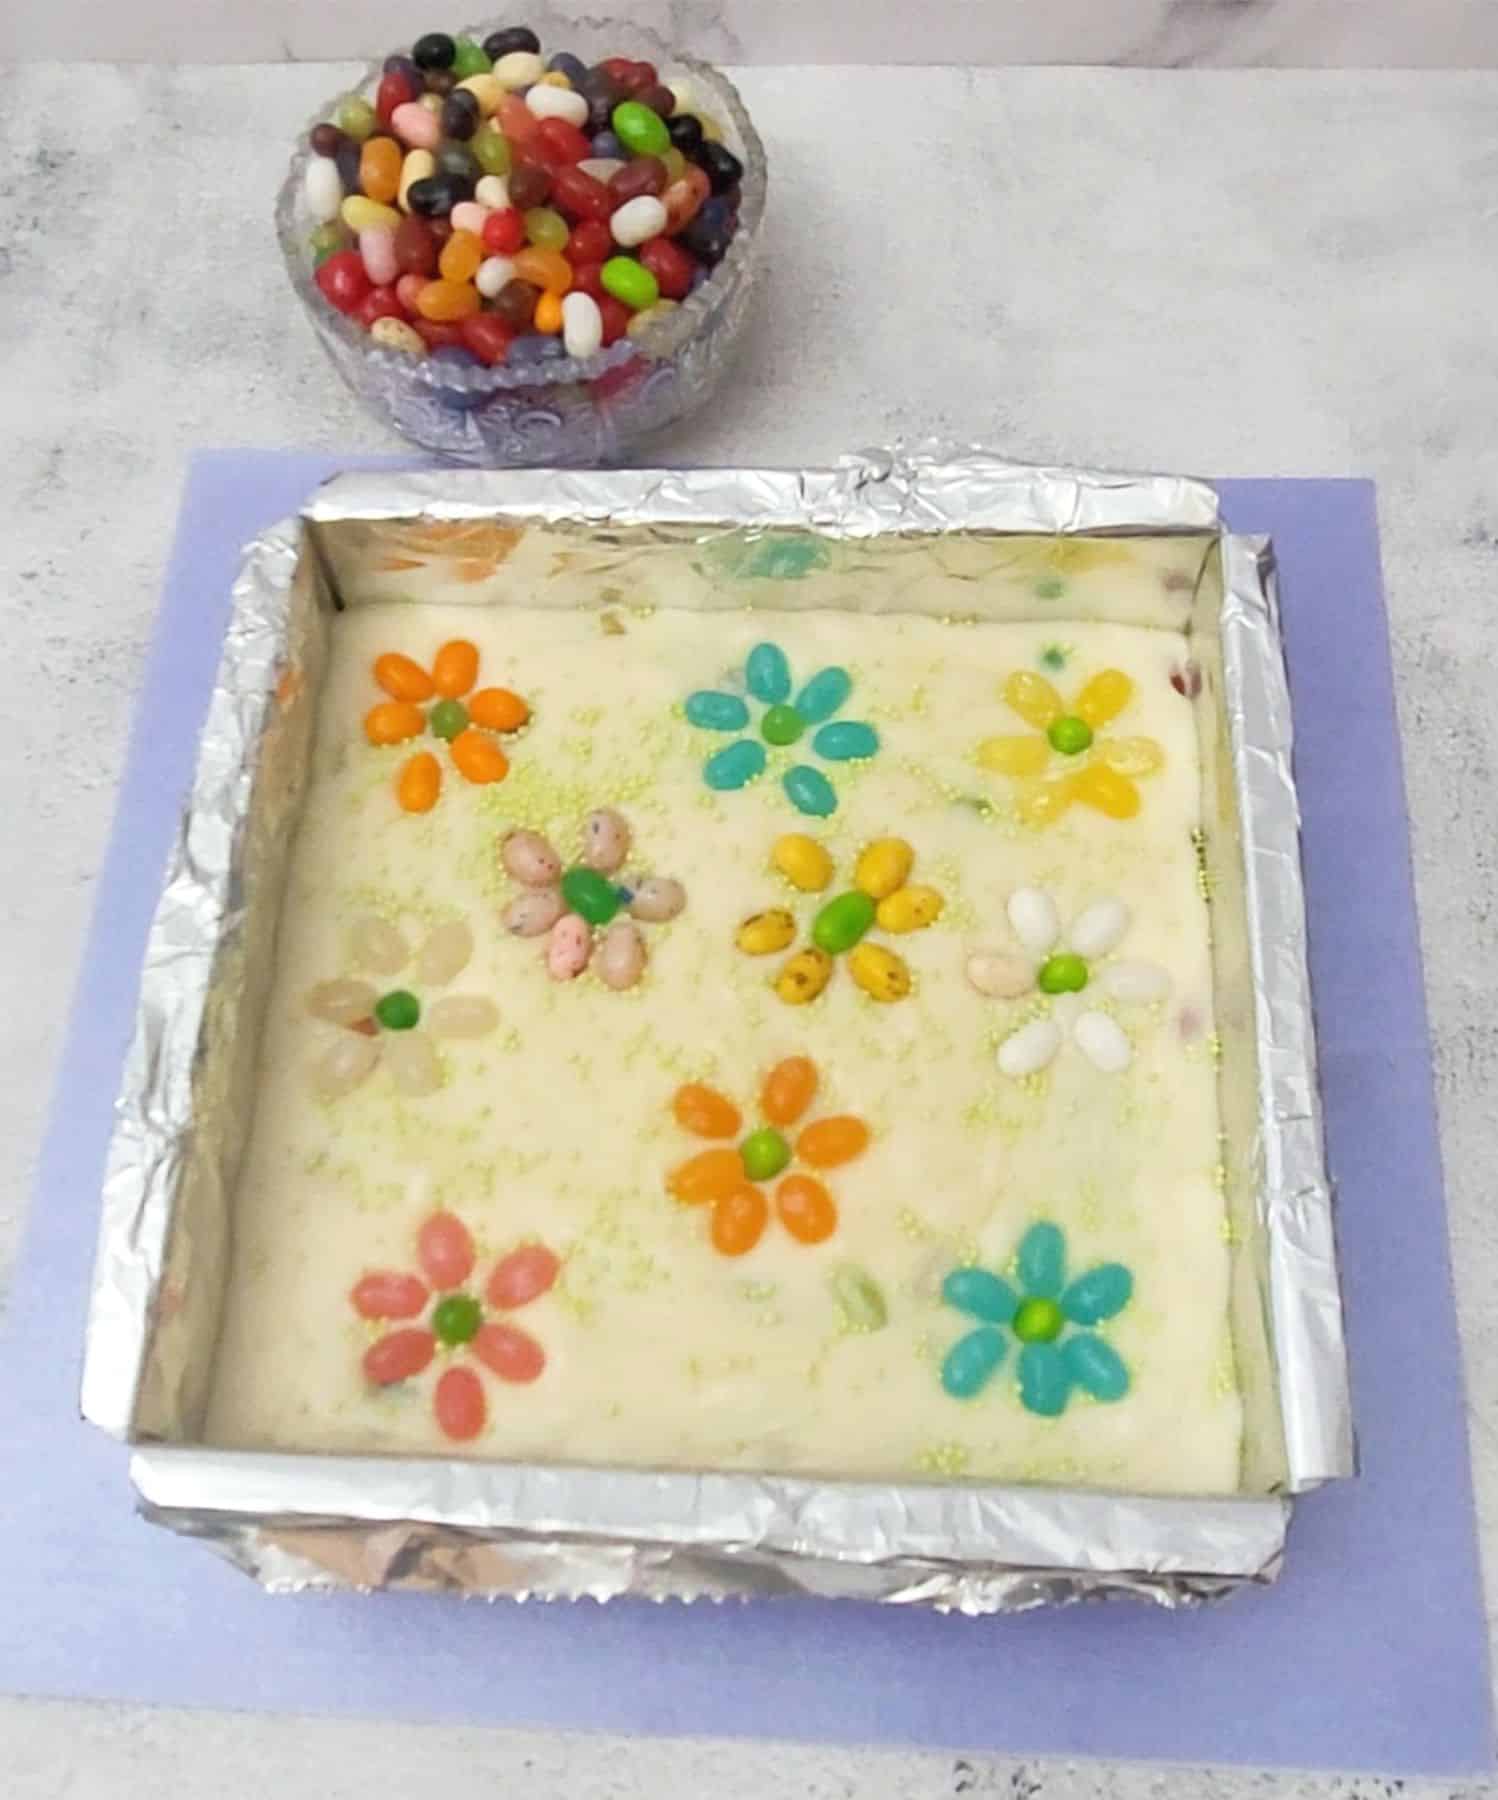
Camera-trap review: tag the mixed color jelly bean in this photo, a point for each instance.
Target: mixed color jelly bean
(485, 196)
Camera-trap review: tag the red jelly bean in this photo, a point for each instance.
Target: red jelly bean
(439, 334)
(616, 65)
(487, 336)
(459, 1404)
(513, 1354)
(580, 196)
(635, 77)
(672, 267)
(407, 288)
(379, 303)
(504, 231)
(523, 1275)
(616, 317)
(389, 1294)
(415, 247)
(587, 278)
(445, 1250)
(640, 175)
(394, 90)
(530, 183)
(562, 141)
(398, 1356)
(516, 120)
(343, 280)
(590, 242)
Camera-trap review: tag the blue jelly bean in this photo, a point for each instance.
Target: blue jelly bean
(768, 674)
(1042, 1261)
(734, 766)
(824, 694)
(1095, 1366)
(1044, 1381)
(606, 144)
(1098, 1294)
(809, 791)
(971, 1361)
(565, 63)
(846, 740)
(717, 712)
(983, 1295)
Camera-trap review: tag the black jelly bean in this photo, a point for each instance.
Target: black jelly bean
(435, 50)
(459, 161)
(434, 196)
(513, 37)
(439, 81)
(565, 63)
(686, 134)
(709, 233)
(325, 139)
(460, 114)
(347, 158)
(722, 168)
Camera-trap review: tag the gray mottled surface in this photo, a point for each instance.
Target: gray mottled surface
(1237, 274)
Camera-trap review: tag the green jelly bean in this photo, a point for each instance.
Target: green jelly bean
(447, 718)
(327, 239)
(764, 1153)
(824, 694)
(842, 922)
(545, 228)
(1038, 1321)
(860, 1297)
(716, 712)
(398, 1010)
(809, 791)
(469, 59)
(491, 149)
(456, 1319)
(734, 767)
(641, 131)
(1069, 735)
(768, 674)
(590, 895)
(1064, 973)
(355, 116)
(781, 725)
(630, 281)
(971, 1361)
(848, 740)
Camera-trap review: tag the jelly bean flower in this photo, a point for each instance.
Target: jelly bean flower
(1065, 758)
(440, 1315)
(1043, 1312)
(882, 896)
(731, 1180)
(445, 704)
(1063, 966)
(767, 677)
(577, 909)
(392, 1026)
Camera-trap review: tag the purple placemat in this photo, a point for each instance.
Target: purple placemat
(1370, 1653)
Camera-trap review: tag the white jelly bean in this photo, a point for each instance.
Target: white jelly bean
(601, 167)
(532, 914)
(1102, 1042)
(323, 188)
(1032, 913)
(1000, 976)
(621, 956)
(1099, 928)
(638, 219)
(346, 1064)
(557, 103)
(520, 69)
(582, 324)
(462, 1016)
(529, 858)
(377, 252)
(493, 192)
(605, 837)
(494, 273)
(379, 946)
(341, 1002)
(1140, 981)
(412, 1062)
(468, 215)
(569, 947)
(657, 899)
(683, 93)
(1030, 1049)
(445, 953)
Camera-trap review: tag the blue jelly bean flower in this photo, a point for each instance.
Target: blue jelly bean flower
(1042, 1310)
(787, 717)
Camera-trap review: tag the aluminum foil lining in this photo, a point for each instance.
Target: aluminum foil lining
(297, 1520)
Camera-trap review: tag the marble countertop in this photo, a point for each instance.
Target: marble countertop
(1227, 274)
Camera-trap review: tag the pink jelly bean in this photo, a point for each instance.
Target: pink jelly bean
(568, 947)
(522, 1275)
(388, 1294)
(406, 290)
(398, 1356)
(413, 124)
(459, 1404)
(445, 1250)
(377, 248)
(513, 1354)
(468, 215)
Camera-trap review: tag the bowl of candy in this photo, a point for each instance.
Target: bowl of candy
(517, 255)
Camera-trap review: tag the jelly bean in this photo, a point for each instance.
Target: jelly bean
(497, 709)
(809, 791)
(1104, 697)
(478, 757)
(738, 764)
(460, 258)
(509, 39)
(341, 1002)
(447, 301)
(408, 290)
(342, 280)
(504, 232)
(1030, 1049)
(642, 175)
(675, 164)
(445, 1250)
(1069, 736)
(438, 335)
(534, 913)
(1062, 974)
(616, 316)
(1095, 1366)
(824, 694)
(639, 130)
(581, 197)
(380, 168)
(455, 1319)
(468, 216)
(981, 1295)
(362, 214)
(351, 1060)
(1098, 1294)
(1038, 1320)
(588, 242)
(459, 1405)
(413, 1064)
(437, 84)
(804, 977)
(999, 976)
(419, 165)
(806, 1209)
(561, 142)
(707, 1176)
(716, 712)
(356, 117)
(323, 188)
(739, 1218)
(548, 102)
(1135, 981)
(762, 933)
(455, 668)
(379, 303)
(1103, 1042)
(447, 951)
(402, 677)
(638, 219)
(684, 198)
(399, 63)
(518, 69)
(1019, 756)
(1100, 927)
(548, 315)
(672, 268)
(395, 90)
(765, 1153)
(508, 1352)
(1033, 698)
(641, 324)
(601, 166)
(568, 947)
(435, 195)
(685, 131)
(803, 862)
(842, 922)
(910, 909)
(469, 59)
(971, 1362)
(657, 899)
(416, 126)
(393, 721)
(846, 740)
(709, 233)
(389, 1294)
(605, 840)
(460, 115)
(722, 168)
(398, 1356)
(331, 236)
(882, 867)
(434, 50)
(590, 895)
(621, 956)
(1131, 756)
(515, 303)
(1105, 790)
(492, 192)
(788, 1090)
(399, 1010)
(519, 125)
(459, 162)
(546, 229)
(522, 1276)
(659, 99)
(491, 151)
(546, 269)
(377, 252)
(377, 945)
(767, 674)
(563, 62)
(1032, 913)
(881, 974)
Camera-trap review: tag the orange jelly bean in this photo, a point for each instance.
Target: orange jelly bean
(739, 1221)
(705, 1112)
(547, 317)
(444, 301)
(456, 668)
(548, 270)
(380, 168)
(806, 1209)
(711, 1176)
(419, 784)
(497, 709)
(402, 678)
(393, 721)
(829, 1142)
(788, 1090)
(461, 256)
(478, 757)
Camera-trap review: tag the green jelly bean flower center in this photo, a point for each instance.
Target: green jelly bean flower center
(1069, 735)
(1038, 1321)
(842, 922)
(447, 718)
(590, 895)
(1064, 973)
(781, 725)
(399, 1010)
(764, 1154)
(456, 1318)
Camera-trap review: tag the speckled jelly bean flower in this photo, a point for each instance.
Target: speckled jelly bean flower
(1043, 1312)
(444, 703)
(782, 723)
(441, 1315)
(882, 898)
(1065, 759)
(392, 1025)
(731, 1180)
(578, 910)
(1063, 967)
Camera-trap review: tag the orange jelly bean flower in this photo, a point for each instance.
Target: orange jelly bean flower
(443, 703)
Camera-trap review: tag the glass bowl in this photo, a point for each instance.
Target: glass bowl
(567, 410)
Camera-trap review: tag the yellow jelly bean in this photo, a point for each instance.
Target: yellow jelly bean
(1014, 755)
(1041, 802)
(1106, 791)
(883, 866)
(802, 861)
(909, 909)
(1033, 698)
(879, 972)
(804, 977)
(417, 166)
(766, 932)
(1131, 756)
(360, 213)
(396, 334)
(1104, 697)
(487, 91)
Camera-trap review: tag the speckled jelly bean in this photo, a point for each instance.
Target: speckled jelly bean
(528, 857)
(606, 838)
(568, 947)
(657, 898)
(804, 977)
(881, 974)
(620, 957)
(763, 933)
(909, 909)
(716, 712)
(627, 281)
(533, 914)
(809, 791)
(735, 766)
(804, 863)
